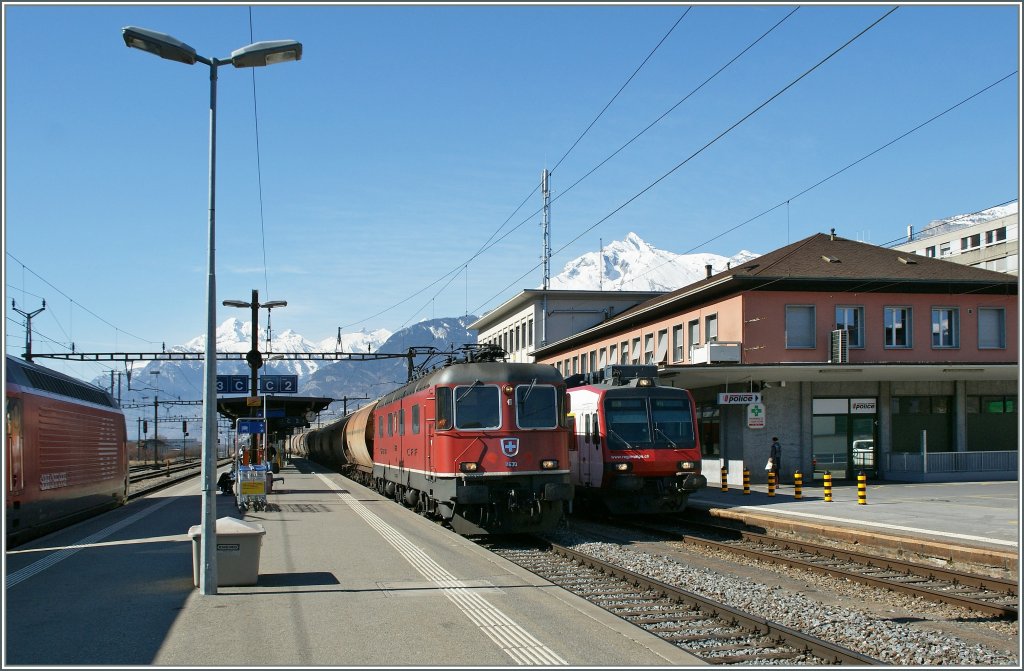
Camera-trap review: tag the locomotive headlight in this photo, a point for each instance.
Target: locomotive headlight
(645, 382)
(622, 467)
(686, 465)
(549, 464)
(469, 466)
(508, 389)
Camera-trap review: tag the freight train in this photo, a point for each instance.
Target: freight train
(67, 453)
(479, 443)
(636, 448)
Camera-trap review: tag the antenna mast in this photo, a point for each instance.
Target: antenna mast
(546, 256)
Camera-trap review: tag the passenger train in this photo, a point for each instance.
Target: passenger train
(636, 448)
(480, 443)
(67, 453)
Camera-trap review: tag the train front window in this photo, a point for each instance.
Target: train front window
(673, 422)
(627, 423)
(477, 407)
(536, 406)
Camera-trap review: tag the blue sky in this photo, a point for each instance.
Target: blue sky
(408, 135)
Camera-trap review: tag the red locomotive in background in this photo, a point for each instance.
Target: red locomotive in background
(66, 456)
(481, 444)
(636, 446)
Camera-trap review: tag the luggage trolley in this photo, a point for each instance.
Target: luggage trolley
(251, 479)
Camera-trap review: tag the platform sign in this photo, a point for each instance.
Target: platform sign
(279, 384)
(232, 384)
(252, 426)
(272, 413)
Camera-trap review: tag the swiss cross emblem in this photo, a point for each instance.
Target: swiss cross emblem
(510, 446)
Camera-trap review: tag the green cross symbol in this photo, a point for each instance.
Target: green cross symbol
(756, 410)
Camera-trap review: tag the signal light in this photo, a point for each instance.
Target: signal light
(145, 426)
(686, 465)
(622, 467)
(469, 467)
(508, 389)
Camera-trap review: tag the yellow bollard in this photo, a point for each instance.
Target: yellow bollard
(746, 480)
(828, 486)
(862, 489)
(798, 484)
(725, 479)
(771, 483)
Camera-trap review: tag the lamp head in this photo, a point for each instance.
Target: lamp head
(161, 44)
(259, 54)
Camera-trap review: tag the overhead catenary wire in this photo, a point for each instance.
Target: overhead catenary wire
(703, 148)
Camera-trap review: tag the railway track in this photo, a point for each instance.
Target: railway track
(708, 629)
(993, 596)
(145, 482)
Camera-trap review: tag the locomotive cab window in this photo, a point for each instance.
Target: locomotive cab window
(672, 421)
(443, 410)
(627, 423)
(477, 406)
(536, 406)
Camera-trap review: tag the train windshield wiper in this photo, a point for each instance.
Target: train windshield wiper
(527, 394)
(614, 433)
(468, 389)
(670, 441)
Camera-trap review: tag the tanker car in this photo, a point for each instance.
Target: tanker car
(636, 448)
(67, 454)
(480, 444)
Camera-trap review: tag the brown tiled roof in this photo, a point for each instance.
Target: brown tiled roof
(825, 262)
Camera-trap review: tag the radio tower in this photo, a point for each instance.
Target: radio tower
(546, 255)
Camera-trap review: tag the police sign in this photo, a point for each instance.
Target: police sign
(739, 399)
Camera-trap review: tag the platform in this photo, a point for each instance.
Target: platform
(346, 578)
(970, 522)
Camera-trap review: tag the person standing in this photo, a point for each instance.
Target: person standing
(775, 454)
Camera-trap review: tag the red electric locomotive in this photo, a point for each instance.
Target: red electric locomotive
(636, 447)
(481, 444)
(67, 453)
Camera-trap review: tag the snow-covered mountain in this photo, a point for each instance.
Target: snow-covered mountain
(940, 226)
(634, 265)
(629, 264)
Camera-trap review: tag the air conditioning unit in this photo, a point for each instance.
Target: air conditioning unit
(840, 346)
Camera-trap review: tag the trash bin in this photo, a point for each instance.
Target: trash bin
(238, 552)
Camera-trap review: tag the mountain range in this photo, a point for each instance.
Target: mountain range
(630, 264)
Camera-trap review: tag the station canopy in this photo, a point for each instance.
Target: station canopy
(284, 413)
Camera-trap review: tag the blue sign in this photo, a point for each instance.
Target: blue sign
(279, 384)
(232, 384)
(252, 426)
(272, 413)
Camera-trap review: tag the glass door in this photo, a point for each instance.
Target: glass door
(862, 445)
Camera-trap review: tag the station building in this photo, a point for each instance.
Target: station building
(859, 358)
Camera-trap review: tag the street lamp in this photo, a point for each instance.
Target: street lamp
(254, 55)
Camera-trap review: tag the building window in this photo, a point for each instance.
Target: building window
(800, 327)
(602, 358)
(635, 358)
(583, 362)
(575, 365)
(970, 242)
(678, 347)
(945, 327)
(593, 360)
(851, 320)
(625, 353)
(991, 328)
(944, 249)
(649, 348)
(711, 328)
(661, 354)
(529, 333)
(613, 354)
(930, 251)
(694, 328)
(897, 327)
(995, 235)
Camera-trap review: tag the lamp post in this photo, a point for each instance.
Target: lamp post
(253, 357)
(254, 55)
(156, 420)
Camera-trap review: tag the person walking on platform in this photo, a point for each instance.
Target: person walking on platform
(775, 455)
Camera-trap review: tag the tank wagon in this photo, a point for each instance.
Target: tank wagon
(67, 452)
(480, 444)
(636, 448)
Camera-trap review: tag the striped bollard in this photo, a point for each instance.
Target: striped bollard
(798, 485)
(746, 480)
(725, 479)
(828, 487)
(862, 489)
(771, 483)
